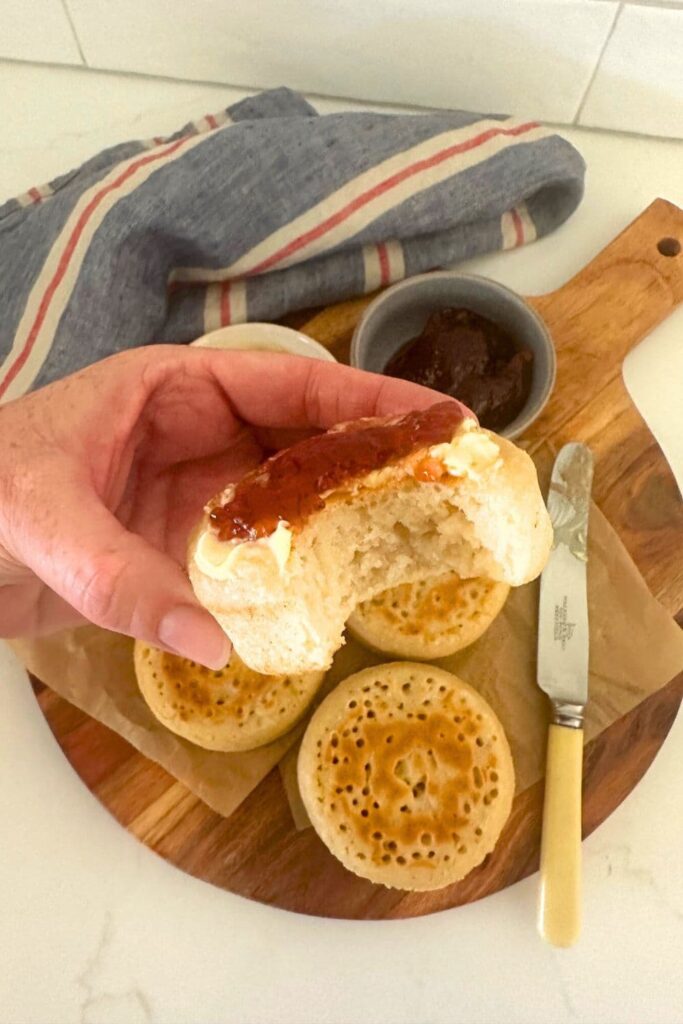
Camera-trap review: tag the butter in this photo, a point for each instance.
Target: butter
(222, 559)
(471, 453)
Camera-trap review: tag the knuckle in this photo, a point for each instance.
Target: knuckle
(149, 375)
(98, 590)
(384, 399)
(324, 396)
(312, 397)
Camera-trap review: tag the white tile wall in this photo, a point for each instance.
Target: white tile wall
(639, 83)
(60, 116)
(529, 56)
(37, 30)
(602, 63)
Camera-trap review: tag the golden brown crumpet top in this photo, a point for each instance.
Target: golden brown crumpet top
(406, 775)
(230, 709)
(429, 619)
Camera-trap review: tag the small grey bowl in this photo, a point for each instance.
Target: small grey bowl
(401, 312)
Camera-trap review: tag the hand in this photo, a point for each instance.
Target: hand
(103, 474)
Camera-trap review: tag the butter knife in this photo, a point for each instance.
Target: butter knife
(562, 673)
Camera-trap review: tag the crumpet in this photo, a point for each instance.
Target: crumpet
(432, 618)
(406, 775)
(230, 709)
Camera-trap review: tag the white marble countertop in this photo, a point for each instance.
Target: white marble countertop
(94, 928)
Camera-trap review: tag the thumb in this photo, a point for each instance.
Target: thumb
(120, 582)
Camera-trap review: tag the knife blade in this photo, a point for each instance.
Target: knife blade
(562, 668)
(562, 673)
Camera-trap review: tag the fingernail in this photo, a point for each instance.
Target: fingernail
(194, 634)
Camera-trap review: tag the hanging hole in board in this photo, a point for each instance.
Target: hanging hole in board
(669, 246)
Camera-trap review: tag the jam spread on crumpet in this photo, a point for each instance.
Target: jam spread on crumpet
(290, 486)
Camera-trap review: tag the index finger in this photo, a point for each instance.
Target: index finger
(274, 390)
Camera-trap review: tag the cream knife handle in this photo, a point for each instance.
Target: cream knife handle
(559, 909)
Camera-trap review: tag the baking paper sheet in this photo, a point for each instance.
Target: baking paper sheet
(636, 648)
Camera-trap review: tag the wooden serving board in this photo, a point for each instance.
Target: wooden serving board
(595, 319)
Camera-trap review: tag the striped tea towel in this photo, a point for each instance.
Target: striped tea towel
(256, 211)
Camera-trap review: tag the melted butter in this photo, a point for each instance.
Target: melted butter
(471, 453)
(222, 560)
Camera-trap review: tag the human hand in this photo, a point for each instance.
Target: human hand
(104, 473)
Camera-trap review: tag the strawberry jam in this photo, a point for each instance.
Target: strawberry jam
(292, 485)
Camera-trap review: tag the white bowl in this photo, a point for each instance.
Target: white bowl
(264, 338)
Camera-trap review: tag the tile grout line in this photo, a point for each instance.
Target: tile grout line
(72, 26)
(212, 83)
(582, 102)
(86, 68)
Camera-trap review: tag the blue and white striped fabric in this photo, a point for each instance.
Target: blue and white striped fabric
(256, 211)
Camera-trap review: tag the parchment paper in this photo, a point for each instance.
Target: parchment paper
(93, 669)
(636, 648)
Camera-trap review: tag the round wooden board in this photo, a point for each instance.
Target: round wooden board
(595, 319)
(258, 853)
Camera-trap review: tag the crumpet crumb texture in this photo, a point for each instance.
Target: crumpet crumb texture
(406, 775)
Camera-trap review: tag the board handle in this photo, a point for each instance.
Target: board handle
(559, 904)
(623, 293)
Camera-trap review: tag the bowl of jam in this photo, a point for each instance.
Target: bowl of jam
(467, 337)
